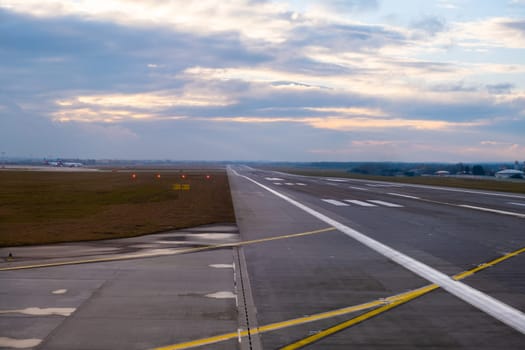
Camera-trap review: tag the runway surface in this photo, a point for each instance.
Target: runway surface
(315, 263)
(448, 230)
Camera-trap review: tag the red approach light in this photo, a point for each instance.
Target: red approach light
(133, 176)
(158, 176)
(208, 177)
(183, 176)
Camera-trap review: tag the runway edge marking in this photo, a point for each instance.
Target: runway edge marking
(499, 310)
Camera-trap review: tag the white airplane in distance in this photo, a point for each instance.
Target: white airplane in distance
(59, 163)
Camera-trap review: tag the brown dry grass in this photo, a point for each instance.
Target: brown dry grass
(45, 207)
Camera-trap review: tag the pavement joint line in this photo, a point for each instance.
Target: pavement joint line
(394, 301)
(381, 305)
(178, 252)
(501, 311)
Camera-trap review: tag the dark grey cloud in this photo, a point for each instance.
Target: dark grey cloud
(500, 89)
(73, 54)
(515, 24)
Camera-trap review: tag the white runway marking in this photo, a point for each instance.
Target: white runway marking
(300, 184)
(273, 179)
(386, 204)
(288, 183)
(403, 195)
(359, 188)
(361, 203)
(515, 203)
(492, 306)
(36, 311)
(384, 185)
(335, 202)
(511, 213)
(277, 183)
(222, 295)
(221, 266)
(19, 343)
(59, 291)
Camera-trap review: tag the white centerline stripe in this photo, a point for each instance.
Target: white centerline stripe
(493, 210)
(335, 202)
(403, 195)
(386, 204)
(361, 203)
(515, 203)
(492, 306)
(300, 184)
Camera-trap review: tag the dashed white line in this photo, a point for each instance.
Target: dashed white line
(403, 195)
(516, 203)
(19, 343)
(360, 203)
(359, 188)
(59, 291)
(511, 213)
(383, 185)
(222, 295)
(386, 204)
(277, 183)
(37, 311)
(300, 184)
(222, 266)
(288, 183)
(335, 202)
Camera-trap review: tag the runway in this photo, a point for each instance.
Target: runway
(447, 230)
(315, 263)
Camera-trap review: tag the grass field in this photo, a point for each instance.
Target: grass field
(470, 183)
(45, 207)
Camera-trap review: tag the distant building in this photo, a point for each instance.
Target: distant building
(510, 174)
(442, 173)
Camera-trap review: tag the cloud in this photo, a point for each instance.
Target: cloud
(492, 32)
(267, 21)
(429, 25)
(243, 78)
(500, 89)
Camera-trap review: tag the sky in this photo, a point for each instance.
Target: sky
(330, 80)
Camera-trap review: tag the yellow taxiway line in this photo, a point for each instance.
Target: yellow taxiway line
(393, 302)
(166, 253)
(379, 306)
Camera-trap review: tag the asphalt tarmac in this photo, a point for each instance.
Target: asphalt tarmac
(448, 230)
(315, 263)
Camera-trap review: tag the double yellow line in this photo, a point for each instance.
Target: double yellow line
(379, 306)
(393, 302)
